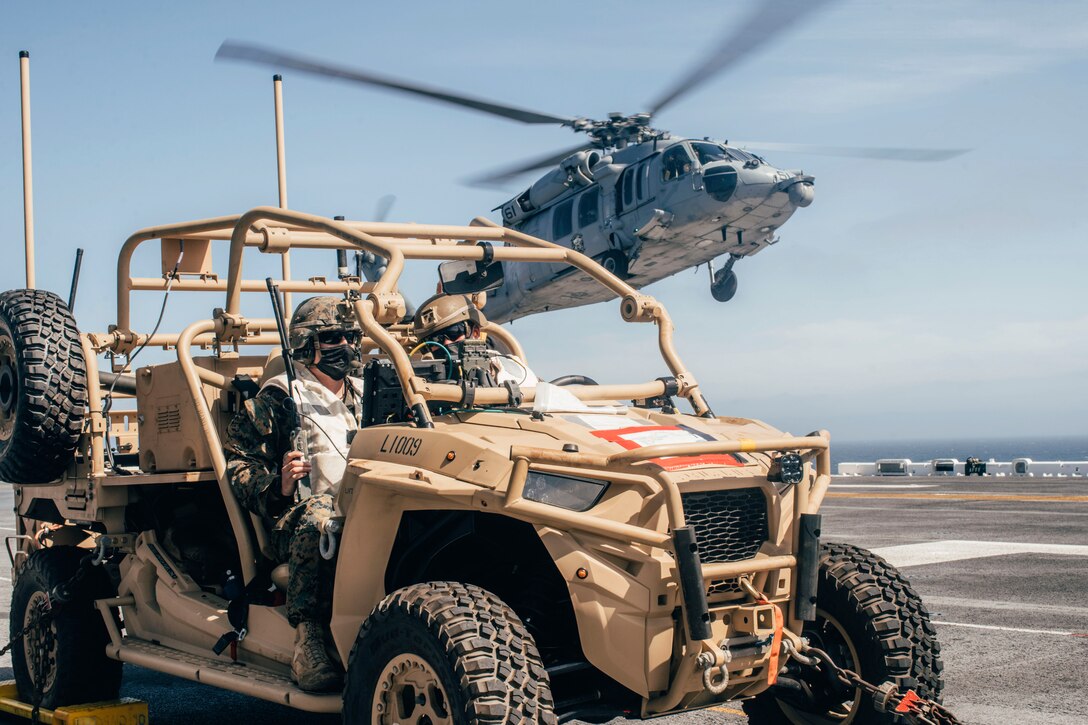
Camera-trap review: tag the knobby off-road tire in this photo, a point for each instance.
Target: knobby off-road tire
(73, 642)
(870, 620)
(43, 386)
(444, 652)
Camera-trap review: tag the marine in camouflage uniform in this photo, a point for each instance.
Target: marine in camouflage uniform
(258, 439)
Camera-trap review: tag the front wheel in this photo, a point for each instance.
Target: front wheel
(871, 621)
(444, 652)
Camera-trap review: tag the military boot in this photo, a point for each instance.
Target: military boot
(311, 666)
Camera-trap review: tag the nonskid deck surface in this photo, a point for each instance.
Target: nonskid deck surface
(1000, 562)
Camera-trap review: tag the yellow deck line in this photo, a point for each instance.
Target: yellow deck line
(962, 497)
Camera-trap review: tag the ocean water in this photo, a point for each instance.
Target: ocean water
(999, 449)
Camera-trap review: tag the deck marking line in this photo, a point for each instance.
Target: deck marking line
(1006, 606)
(963, 497)
(937, 552)
(883, 485)
(1059, 632)
(925, 512)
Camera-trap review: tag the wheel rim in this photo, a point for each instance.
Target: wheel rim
(409, 692)
(828, 634)
(9, 387)
(40, 643)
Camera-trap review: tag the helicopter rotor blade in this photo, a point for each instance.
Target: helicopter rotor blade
(857, 152)
(769, 20)
(233, 50)
(498, 177)
(382, 208)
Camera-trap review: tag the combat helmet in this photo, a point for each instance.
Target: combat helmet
(442, 311)
(315, 315)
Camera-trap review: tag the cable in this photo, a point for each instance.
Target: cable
(449, 355)
(107, 401)
(334, 446)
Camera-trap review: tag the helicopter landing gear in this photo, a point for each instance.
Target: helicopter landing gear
(614, 261)
(723, 282)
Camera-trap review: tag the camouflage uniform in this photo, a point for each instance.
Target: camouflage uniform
(255, 447)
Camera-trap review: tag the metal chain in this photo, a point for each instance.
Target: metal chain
(887, 697)
(43, 614)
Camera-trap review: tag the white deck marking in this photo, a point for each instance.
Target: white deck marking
(1006, 606)
(936, 552)
(901, 511)
(1059, 632)
(883, 485)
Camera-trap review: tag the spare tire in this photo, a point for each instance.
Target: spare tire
(43, 386)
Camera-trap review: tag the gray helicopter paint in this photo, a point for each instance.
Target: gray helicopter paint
(676, 224)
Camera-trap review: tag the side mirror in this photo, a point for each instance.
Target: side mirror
(461, 277)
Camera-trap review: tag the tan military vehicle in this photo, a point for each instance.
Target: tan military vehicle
(505, 553)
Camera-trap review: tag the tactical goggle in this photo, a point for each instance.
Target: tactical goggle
(453, 332)
(333, 337)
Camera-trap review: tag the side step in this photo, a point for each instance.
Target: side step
(234, 676)
(126, 711)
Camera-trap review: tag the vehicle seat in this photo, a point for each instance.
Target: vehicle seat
(280, 575)
(273, 366)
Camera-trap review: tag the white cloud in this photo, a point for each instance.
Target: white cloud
(926, 50)
(855, 357)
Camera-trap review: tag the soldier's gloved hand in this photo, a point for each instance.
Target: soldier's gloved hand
(291, 471)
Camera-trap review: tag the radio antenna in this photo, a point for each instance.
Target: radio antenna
(28, 178)
(281, 172)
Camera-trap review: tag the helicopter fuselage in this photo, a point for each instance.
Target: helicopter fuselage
(646, 211)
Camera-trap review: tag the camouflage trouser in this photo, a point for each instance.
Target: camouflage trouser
(295, 541)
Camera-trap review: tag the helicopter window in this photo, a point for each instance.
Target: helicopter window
(709, 152)
(629, 186)
(587, 207)
(675, 163)
(561, 221)
(739, 155)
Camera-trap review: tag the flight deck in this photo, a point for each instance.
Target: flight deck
(1002, 563)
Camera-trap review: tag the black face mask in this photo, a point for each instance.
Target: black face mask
(336, 361)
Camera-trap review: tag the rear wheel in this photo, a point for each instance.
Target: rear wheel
(43, 386)
(444, 652)
(64, 658)
(871, 621)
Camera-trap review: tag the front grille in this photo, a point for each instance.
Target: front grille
(729, 525)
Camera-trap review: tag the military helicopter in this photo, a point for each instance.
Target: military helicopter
(643, 202)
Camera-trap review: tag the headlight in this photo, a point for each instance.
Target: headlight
(576, 494)
(793, 468)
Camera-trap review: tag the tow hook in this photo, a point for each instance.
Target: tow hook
(327, 544)
(715, 663)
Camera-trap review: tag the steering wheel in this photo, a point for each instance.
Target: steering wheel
(573, 380)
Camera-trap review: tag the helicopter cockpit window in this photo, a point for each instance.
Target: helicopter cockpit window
(561, 219)
(709, 152)
(587, 207)
(675, 163)
(739, 155)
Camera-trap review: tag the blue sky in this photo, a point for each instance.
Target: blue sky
(909, 301)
